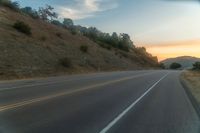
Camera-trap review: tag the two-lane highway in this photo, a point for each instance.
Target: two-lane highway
(116, 102)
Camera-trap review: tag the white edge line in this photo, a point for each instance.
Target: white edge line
(114, 121)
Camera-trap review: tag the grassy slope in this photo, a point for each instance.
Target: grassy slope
(22, 56)
(192, 79)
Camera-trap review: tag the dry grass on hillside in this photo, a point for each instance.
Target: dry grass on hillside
(192, 79)
(40, 54)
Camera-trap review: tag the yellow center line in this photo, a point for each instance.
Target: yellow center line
(20, 104)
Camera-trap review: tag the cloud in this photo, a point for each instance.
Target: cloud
(80, 9)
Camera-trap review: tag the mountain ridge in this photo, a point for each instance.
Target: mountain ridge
(185, 61)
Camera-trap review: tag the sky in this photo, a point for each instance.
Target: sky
(167, 28)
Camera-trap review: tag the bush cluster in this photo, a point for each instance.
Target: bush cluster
(84, 48)
(196, 66)
(175, 65)
(59, 35)
(65, 62)
(22, 27)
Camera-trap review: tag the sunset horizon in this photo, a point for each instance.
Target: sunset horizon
(175, 49)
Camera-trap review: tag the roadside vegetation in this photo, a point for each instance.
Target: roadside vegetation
(192, 79)
(196, 66)
(84, 48)
(22, 27)
(34, 42)
(162, 66)
(120, 41)
(65, 62)
(175, 65)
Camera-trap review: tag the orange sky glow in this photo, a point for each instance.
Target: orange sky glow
(174, 49)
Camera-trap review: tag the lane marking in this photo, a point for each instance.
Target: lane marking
(114, 121)
(38, 84)
(32, 85)
(20, 104)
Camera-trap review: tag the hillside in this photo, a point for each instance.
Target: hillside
(53, 50)
(185, 61)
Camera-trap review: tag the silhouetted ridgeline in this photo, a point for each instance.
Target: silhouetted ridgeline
(185, 61)
(35, 43)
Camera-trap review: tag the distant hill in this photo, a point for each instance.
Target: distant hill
(53, 50)
(185, 61)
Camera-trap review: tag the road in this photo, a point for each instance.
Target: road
(151, 101)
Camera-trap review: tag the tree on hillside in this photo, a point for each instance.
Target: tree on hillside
(93, 33)
(12, 5)
(196, 66)
(30, 12)
(57, 23)
(67, 23)
(141, 50)
(126, 40)
(115, 39)
(175, 65)
(162, 65)
(47, 13)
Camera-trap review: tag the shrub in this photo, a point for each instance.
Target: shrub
(22, 27)
(162, 65)
(196, 66)
(43, 38)
(73, 32)
(123, 47)
(65, 62)
(84, 48)
(175, 65)
(59, 35)
(123, 54)
(106, 46)
(57, 23)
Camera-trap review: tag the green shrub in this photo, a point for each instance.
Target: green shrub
(123, 54)
(106, 46)
(196, 66)
(59, 35)
(57, 23)
(84, 48)
(123, 47)
(162, 65)
(175, 65)
(22, 27)
(43, 38)
(65, 62)
(73, 32)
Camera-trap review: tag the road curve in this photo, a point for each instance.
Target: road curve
(117, 102)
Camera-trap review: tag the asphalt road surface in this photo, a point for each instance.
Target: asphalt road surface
(116, 102)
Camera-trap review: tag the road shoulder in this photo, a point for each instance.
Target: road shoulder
(191, 83)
